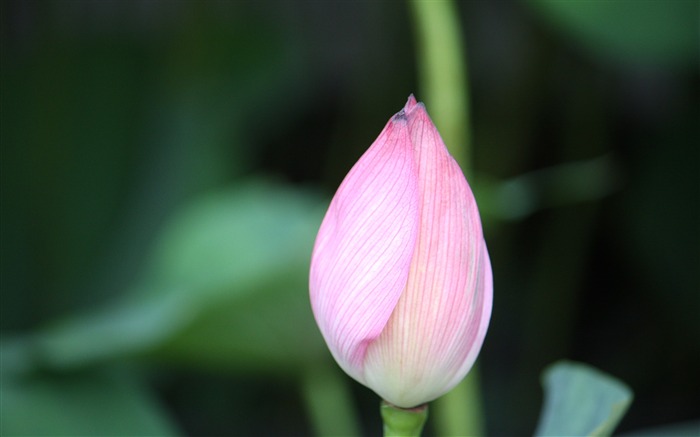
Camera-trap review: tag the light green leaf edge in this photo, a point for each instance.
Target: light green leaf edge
(581, 401)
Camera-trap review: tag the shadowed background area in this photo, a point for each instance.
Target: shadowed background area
(165, 167)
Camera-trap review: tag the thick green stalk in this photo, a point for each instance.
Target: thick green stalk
(459, 412)
(329, 402)
(442, 73)
(403, 422)
(442, 67)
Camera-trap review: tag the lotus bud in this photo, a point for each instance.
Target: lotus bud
(400, 283)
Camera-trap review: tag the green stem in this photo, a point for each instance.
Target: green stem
(459, 412)
(443, 74)
(403, 422)
(329, 402)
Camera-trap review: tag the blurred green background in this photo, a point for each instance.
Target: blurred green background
(165, 166)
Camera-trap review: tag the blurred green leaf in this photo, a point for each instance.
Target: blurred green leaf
(238, 238)
(90, 404)
(581, 401)
(660, 32)
(227, 287)
(242, 258)
(130, 327)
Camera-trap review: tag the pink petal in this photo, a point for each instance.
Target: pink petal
(433, 333)
(479, 317)
(363, 250)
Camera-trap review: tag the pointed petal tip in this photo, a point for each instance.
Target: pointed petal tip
(411, 102)
(415, 109)
(409, 108)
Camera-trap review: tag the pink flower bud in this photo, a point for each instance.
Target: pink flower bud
(401, 283)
